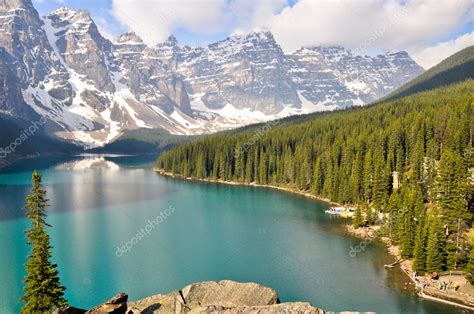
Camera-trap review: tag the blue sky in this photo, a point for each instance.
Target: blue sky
(429, 30)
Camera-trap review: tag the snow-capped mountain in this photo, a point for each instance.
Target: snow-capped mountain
(91, 89)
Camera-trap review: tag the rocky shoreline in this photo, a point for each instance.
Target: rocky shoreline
(460, 299)
(223, 297)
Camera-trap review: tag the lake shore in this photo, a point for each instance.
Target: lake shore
(430, 292)
(464, 301)
(286, 189)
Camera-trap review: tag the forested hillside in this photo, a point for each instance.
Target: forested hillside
(20, 138)
(454, 69)
(407, 164)
(143, 141)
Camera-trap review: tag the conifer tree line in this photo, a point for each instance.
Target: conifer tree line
(43, 290)
(406, 165)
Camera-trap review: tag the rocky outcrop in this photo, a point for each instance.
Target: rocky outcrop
(172, 302)
(224, 297)
(212, 297)
(117, 304)
(287, 308)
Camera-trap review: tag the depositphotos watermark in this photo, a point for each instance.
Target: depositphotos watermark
(25, 134)
(360, 247)
(145, 231)
(256, 136)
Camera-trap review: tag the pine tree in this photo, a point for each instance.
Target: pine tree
(318, 177)
(421, 240)
(201, 166)
(256, 164)
(263, 168)
(407, 237)
(394, 213)
(370, 215)
(380, 184)
(452, 201)
(358, 220)
(368, 177)
(469, 269)
(43, 290)
(435, 256)
(248, 170)
(221, 167)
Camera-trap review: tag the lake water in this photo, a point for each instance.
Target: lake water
(196, 232)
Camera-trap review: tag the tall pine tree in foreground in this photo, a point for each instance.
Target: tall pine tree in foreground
(43, 290)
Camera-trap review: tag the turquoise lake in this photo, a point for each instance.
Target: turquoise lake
(206, 232)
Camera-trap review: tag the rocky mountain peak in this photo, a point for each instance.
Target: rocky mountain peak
(12, 5)
(260, 35)
(66, 12)
(23, 37)
(78, 22)
(256, 40)
(400, 53)
(128, 38)
(168, 51)
(400, 56)
(75, 37)
(171, 41)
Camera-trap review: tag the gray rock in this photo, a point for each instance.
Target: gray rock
(291, 307)
(168, 303)
(116, 305)
(228, 293)
(70, 310)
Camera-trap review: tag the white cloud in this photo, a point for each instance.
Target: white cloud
(385, 25)
(411, 25)
(154, 21)
(431, 56)
(248, 15)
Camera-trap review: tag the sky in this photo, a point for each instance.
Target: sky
(430, 30)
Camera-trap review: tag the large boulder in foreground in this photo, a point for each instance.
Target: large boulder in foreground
(228, 293)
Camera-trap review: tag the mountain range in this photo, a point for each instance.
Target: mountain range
(91, 89)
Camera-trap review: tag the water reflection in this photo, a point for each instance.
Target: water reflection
(81, 183)
(89, 163)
